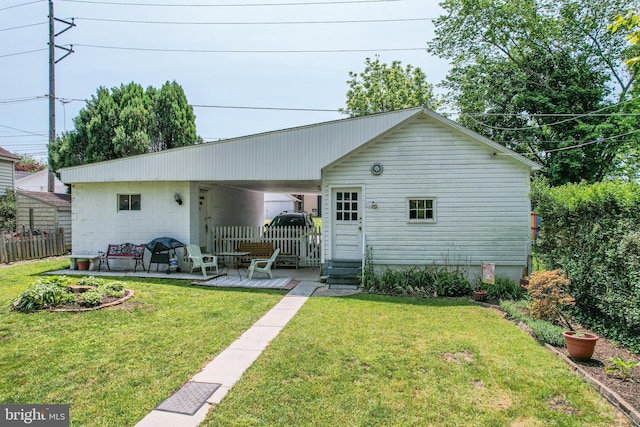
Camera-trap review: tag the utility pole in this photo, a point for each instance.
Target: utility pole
(52, 81)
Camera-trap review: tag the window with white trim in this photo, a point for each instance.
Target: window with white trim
(129, 202)
(421, 210)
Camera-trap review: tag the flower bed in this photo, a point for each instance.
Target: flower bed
(69, 294)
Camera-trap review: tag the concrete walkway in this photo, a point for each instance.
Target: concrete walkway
(230, 364)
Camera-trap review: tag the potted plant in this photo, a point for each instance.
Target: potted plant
(480, 295)
(82, 263)
(580, 345)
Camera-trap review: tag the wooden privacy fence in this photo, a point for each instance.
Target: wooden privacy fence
(24, 246)
(305, 243)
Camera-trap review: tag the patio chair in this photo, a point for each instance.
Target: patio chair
(263, 264)
(200, 260)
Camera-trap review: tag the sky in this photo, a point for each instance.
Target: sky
(272, 60)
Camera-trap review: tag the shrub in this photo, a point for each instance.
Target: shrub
(43, 293)
(513, 310)
(619, 368)
(90, 281)
(113, 289)
(547, 332)
(451, 283)
(427, 281)
(549, 295)
(504, 289)
(591, 233)
(91, 298)
(544, 331)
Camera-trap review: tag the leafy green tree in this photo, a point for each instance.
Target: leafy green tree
(8, 211)
(126, 121)
(521, 66)
(174, 124)
(381, 87)
(631, 24)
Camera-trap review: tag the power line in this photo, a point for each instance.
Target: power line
(265, 108)
(316, 3)
(19, 100)
(355, 21)
(23, 131)
(576, 117)
(247, 51)
(23, 53)
(22, 26)
(21, 4)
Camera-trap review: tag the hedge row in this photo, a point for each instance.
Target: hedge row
(592, 233)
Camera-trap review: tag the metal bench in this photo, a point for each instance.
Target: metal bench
(123, 251)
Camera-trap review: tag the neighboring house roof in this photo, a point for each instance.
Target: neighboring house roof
(38, 181)
(21, 175)
(54, 199)
(6, 155)
(289, 160)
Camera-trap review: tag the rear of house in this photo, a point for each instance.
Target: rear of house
(415, 187)
(429, 193)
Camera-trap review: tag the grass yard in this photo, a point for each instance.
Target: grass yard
(113, 366)
(374, 360)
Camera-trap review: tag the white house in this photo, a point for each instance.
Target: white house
(39, 181)
(274, 203)
(414, 186)
(7, 166)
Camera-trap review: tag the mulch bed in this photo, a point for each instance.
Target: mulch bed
(605, 349)
(628, 390)
(104, 303)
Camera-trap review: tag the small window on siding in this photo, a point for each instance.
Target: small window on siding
(129, 202)
(421, 210)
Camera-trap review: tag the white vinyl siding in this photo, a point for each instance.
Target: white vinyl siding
(482, 206)
(6, 176)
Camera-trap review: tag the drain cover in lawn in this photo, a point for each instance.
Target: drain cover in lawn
(189, 398)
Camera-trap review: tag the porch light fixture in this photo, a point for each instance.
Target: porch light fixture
(177, 198)
(374, 205)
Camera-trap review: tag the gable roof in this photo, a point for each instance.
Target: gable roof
(296, 155)
(6, 155)
(55, 199)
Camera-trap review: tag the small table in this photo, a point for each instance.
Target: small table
(288, 260)
(235, 257)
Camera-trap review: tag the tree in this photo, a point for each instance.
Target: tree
(126, 121)
(381, 87)
(631, 23)
(8, 211)
(544, 78)
(29, 164)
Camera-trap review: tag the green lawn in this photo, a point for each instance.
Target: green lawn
(113, 366)
(385, 361)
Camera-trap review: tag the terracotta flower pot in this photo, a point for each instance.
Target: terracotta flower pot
(580, 345)
(480, 295)
(82, 264)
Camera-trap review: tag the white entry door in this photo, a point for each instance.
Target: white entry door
(347, 223)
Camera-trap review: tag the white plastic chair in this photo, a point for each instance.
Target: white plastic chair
(257, 264)
(199, 260)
